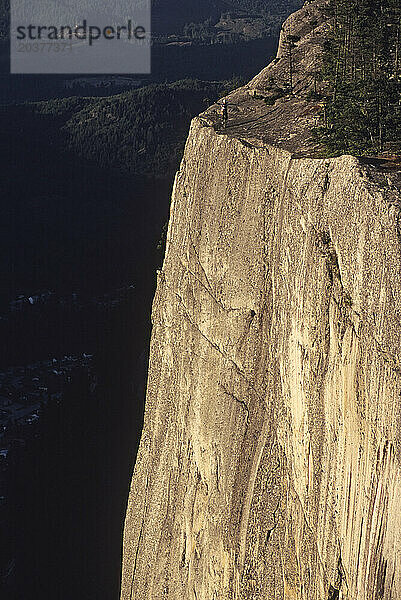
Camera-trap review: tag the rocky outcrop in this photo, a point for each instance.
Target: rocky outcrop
(269, 465)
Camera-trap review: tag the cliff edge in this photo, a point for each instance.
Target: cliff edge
(269, 464)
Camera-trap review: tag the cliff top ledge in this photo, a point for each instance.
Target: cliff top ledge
(258, 113)
(265, 113)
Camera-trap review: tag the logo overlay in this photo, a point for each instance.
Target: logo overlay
(80, 36)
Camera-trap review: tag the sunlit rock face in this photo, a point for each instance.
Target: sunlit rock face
(269, 465)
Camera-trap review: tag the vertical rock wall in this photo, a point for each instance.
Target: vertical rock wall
(269, 465)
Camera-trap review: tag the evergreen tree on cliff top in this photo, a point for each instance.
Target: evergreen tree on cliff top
(361, 67)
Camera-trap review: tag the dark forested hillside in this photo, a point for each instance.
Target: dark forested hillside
(141, 131)
(362, 71)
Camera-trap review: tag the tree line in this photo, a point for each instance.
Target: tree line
(361, 78)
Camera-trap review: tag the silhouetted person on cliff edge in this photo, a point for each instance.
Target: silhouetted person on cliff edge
(224, 113)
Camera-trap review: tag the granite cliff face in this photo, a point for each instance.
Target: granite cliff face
(269, 465)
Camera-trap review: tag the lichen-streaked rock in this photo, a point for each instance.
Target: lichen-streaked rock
(269, 465)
